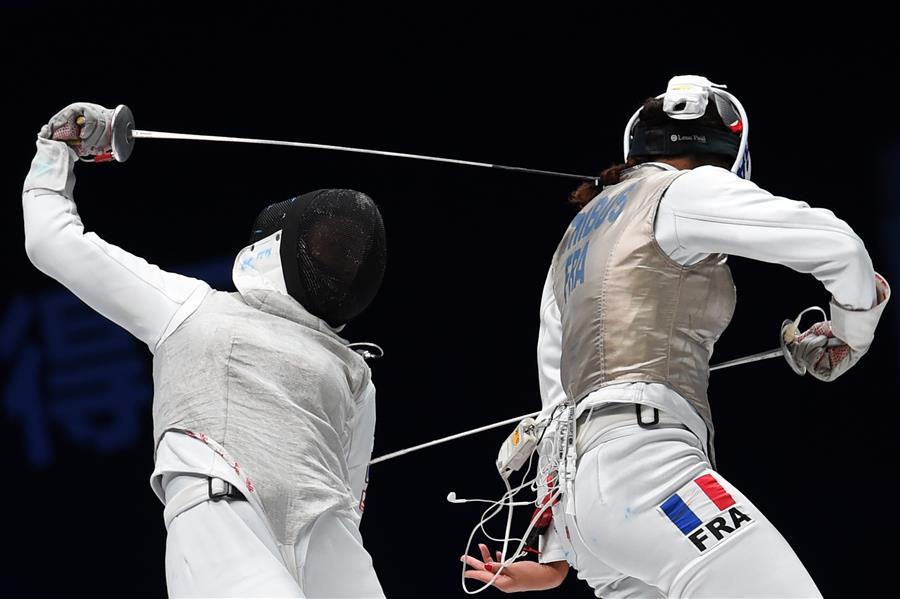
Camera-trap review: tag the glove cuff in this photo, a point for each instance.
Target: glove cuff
(857, 327)
(51, 168)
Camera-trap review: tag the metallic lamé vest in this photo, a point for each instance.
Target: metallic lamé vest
(276, 388)
(629, 312)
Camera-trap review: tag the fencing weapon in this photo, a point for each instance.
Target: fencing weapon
(124, 134)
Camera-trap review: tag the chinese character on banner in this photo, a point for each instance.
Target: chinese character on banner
(71, 373)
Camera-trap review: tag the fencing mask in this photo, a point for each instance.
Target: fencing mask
(685, 100)
(332, 250)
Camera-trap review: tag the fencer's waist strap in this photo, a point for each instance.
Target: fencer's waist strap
(610, 421)
(195, 493)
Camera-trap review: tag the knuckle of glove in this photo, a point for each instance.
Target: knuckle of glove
(807, 347)
(94, 132)
(62, 116)
(92, 136)
(834, 362)
(822, 328)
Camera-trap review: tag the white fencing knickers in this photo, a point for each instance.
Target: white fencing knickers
(649, 509)
(223, 548)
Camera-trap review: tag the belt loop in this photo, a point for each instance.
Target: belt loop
(217, 495)
(638, 411)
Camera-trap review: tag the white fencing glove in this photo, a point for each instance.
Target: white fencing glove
(822, 352)
(87, 128)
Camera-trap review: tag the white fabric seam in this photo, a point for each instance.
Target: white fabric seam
(746, 223)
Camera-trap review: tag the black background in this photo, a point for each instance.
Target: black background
(468, 247)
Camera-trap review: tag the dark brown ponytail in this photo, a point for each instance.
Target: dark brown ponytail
(587, 191)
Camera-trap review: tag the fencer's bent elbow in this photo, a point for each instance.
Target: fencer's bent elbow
(36, 240)
(39, 249)
(45, 243)
(33, 249)
(851, 253)
(852, 248)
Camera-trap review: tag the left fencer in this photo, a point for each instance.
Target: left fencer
(263, 416)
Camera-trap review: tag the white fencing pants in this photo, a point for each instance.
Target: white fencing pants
(224, 549)
(653, 519)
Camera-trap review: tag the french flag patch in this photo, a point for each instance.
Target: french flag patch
(696, 503)
(697, 511)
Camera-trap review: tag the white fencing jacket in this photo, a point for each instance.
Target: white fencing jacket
(151, 304)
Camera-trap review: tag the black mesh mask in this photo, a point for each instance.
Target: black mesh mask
(332, 250)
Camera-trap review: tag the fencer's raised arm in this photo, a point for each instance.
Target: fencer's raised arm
(140, 297)
(709, 210)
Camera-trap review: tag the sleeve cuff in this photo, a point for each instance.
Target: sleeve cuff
(857, 327)
(51, 168)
